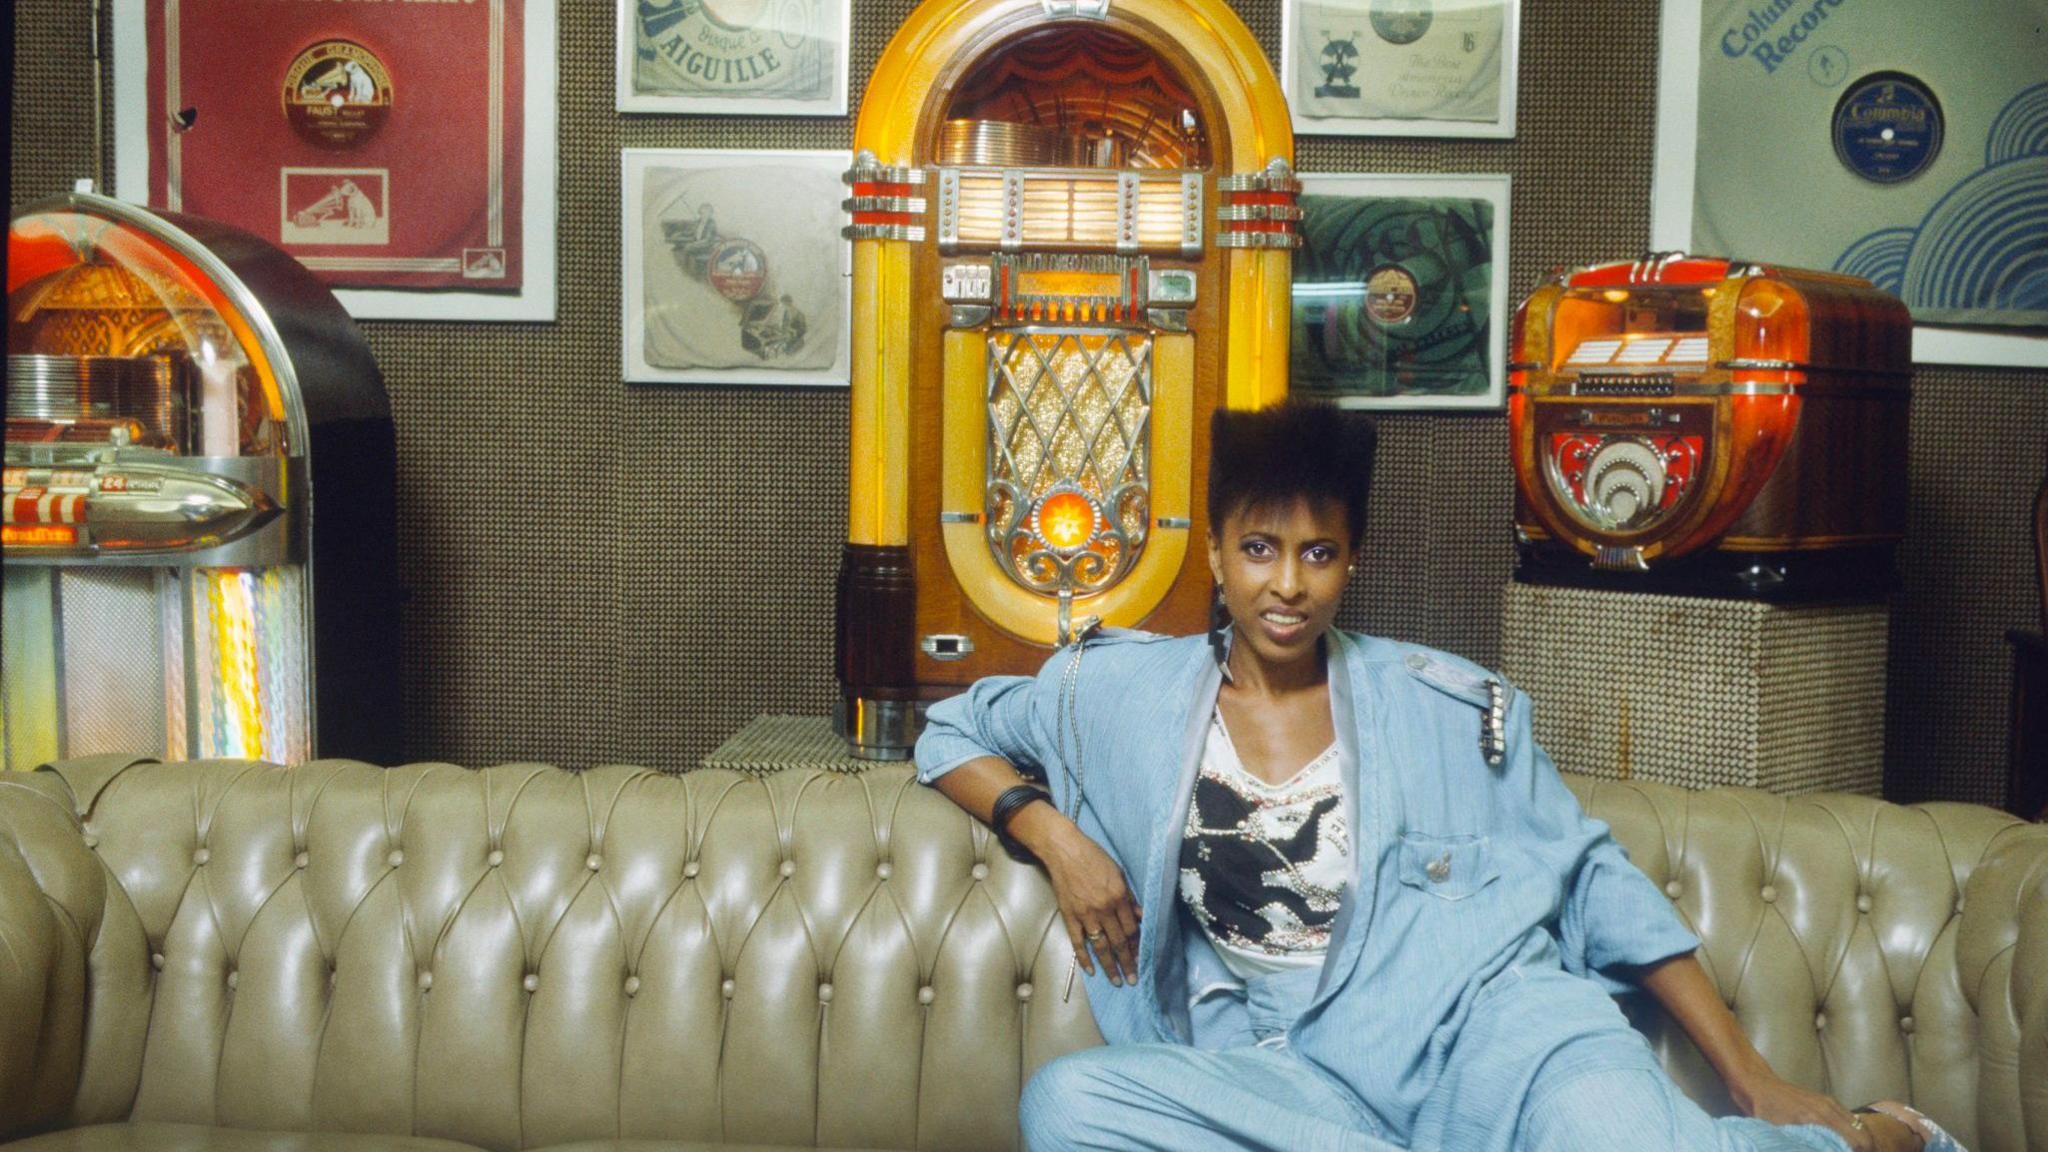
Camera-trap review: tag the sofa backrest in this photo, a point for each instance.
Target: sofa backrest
(1871, 950)
(522, 956)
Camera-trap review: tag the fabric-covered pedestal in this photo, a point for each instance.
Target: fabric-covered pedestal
(1702, 693)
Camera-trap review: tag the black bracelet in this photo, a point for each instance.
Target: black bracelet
(1006, 807)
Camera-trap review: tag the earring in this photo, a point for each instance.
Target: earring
(1219, 627)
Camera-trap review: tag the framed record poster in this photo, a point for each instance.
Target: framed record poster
(1400, 291)
(734, 268)
(1401, 67)
(1903, 141)
(405, 153)
(734, 57)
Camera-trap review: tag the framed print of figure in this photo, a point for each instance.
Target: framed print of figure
(734, 268)
(1401, 67)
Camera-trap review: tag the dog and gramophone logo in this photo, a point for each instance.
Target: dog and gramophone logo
(337, 94)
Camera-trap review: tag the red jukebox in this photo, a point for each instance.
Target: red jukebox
(1072, 231)
(1705, 426)
(178, 392)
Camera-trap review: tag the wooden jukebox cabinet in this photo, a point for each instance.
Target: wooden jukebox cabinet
(1709, 427)
(1072, 233)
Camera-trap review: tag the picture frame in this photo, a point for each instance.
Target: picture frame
(1400, 295)
(430, 283)
(720, 285)
(1822, 69)
(675, 56)
(1378, 67)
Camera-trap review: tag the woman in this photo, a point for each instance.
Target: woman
(1362, 909)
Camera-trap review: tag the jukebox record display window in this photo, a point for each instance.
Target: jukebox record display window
(1400, 290)
(734, 271)
(1401, 67)
(402, 152)
(734, 57)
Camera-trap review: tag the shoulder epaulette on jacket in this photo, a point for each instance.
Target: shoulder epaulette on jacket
(1485, 691)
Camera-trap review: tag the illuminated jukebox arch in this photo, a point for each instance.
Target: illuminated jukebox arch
(1072, 231)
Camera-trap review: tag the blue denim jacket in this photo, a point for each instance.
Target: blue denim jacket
(1470, 877)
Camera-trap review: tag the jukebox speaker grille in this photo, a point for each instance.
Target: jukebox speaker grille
(110, 631)
(1068, 489)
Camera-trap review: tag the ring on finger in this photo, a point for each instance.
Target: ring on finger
(1097, 937)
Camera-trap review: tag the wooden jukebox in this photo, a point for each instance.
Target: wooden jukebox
(1072, 234)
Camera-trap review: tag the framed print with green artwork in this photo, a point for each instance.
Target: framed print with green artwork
(1400, 291)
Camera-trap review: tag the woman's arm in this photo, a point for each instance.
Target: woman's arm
(1682, 987)
(1094, 899)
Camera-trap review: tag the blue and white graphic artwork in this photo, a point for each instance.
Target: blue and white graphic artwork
(1980, 255)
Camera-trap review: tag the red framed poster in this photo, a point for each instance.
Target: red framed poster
(385, 146)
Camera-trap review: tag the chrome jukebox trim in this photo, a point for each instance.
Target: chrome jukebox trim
(878, 729)
(1286, 212)
(1013, 210)
(1170, 522)
(1067, 9)
(911, 232)
(947, 646)
(1258, 240)
(1127, 212)
(869, 170)
(959, 517)
(949, 209)
(1276, 176)
(1191, 214)
(913, 205)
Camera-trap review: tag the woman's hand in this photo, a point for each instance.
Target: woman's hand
(1764, 1096)
(1094, 899)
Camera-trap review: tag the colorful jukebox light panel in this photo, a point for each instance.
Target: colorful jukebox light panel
(155, 483)
(1071, 243)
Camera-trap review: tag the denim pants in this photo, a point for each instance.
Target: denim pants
(1606, 1097)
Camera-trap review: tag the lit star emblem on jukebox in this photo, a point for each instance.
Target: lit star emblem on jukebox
(337, 94)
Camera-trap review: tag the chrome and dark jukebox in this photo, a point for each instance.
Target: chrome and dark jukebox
(1706, 426)
(1073, 226)
(178, 395)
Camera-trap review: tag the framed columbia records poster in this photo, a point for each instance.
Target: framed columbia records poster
(734, 269)
(1902, 141)
(1400, 291)
(405, 153)
(734, 57)
(1401, 67)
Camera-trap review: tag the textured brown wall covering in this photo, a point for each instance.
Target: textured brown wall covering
(602, 572)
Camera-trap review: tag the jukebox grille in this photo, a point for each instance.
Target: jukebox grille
(1068, 489)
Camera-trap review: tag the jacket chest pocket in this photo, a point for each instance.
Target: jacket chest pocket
(1447, 867)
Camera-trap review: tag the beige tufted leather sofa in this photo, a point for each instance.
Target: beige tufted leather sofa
(233, 957)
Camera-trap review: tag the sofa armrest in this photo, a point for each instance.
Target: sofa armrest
(2002, 960)
(42, 1002)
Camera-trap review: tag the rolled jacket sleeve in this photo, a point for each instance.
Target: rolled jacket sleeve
(1001, 716)
(1613, 918)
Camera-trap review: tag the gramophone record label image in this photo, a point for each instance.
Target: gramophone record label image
(742, 267)
(1887, 127)
(1399, 59)
(1392, 296)
(337, 94)
(1902, 141)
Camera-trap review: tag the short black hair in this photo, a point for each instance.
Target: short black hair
(1270, 457)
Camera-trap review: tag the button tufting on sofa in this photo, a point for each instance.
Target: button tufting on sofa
(301, 860)
(788, 869)
(1769, 895)
(426, 981)
(593, 862)
(1862, 902)
(1918, 1009)
(200, 856)
(396, 858)
(1673, 889)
